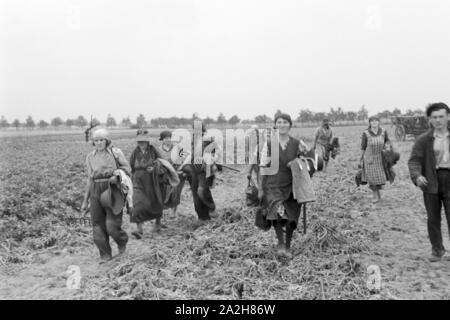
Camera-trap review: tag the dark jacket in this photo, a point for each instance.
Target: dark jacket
(422, 162)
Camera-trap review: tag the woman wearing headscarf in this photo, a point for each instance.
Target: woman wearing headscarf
(276, 190)
(172, 153)
(102, 165)
(322, 140)
(146, 174)
(373, 141)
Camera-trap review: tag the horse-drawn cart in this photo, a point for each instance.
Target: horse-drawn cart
(409, 125)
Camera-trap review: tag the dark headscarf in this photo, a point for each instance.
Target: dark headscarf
(284, 116)
(165, 134)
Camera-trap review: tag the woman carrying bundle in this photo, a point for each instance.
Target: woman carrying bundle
(276, 190)
(172, 153)
(146, 174)
(103, 164)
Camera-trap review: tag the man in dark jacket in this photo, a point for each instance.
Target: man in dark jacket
(429, 167)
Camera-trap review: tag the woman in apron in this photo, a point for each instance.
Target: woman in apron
(373, 141)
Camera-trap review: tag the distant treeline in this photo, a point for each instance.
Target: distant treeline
(305, 116)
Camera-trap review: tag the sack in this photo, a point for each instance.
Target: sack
(251, 194)
(261, 219)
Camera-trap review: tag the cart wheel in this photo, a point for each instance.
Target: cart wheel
(400, 133)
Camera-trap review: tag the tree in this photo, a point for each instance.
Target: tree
(56, 122)
(126, 122)
(4, 123)
(396, 112)
(208, 120)
(16, 123)
(386, 114)
(351, 116)
(43, 124)
(319, 116)
(95, 122)
(140, 121)
(305, 115)
(29, 123)
(362, 113)
(70, 122)
(221, 119)
(110, 121)
(262, 119)
(234, 120)
(81, 121)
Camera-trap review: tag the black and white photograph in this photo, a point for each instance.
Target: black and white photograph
(224, 155)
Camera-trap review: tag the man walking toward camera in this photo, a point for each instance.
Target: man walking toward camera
(429, 167)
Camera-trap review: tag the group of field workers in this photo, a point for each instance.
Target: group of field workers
(150, 181)
(143, 186)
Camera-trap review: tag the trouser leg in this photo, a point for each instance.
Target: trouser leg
(200, 208)
(291, 205)
(204, 191)
(289, 234)
(444, 190)
(98, 219)
(114, 228)
(279, 232)
(433, 206)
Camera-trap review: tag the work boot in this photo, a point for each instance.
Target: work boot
(436, 255)
(122, 249)
(199, 223)
(434, 258)
(105, 259)
(213, 214)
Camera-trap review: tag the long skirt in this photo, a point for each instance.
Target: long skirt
(277, 200)
(147, 197)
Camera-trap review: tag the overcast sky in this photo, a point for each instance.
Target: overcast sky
(247, 57)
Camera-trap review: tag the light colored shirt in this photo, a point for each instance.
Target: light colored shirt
(323, 135)
(101, 164)
(175, 155)
(441, 150)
